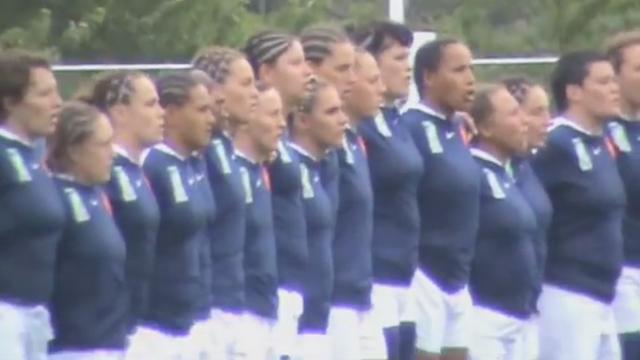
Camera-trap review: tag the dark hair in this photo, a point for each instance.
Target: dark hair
(616, 45)
(483, 108)
(266, 47)
(15, 75)
(518, 87)
(375, 36)
(76, 123)
(308, 101)
(202, 78)
(572, 69)
(111, 89)
(216, 62)
(428, 59)
(317, 41)
(174, 89)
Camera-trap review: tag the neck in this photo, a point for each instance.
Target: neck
(629, 110)
(309, 145)
(494, 150)
(174, 142)
(243, 142)
(130, 145)
(390, 100)
(17, 130)
(355, 119)
(587, 121)
(78, 177)
(439, 107)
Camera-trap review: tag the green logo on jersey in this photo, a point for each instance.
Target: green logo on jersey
(584, 159)
(177, 187)
(432, 137)
(284, 153)
(246, 184)
(124, 183)
(307, 187)
(78, 210)
(222, 156)
(22, 172)
(494, 184)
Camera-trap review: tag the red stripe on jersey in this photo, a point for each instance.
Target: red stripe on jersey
(266, 178)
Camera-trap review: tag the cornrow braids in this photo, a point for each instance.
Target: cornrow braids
(216, 62)
(76, 123)
(518, 87)
(377, 36)
(266, 47)
(111, 89)
(317, 41)
(174, 89)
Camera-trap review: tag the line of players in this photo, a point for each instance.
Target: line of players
(305, 216)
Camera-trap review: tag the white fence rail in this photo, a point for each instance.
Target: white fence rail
(143, 67)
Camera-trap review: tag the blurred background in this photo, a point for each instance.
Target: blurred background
(171, 31)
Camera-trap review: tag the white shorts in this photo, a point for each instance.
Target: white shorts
(258, 337)
(626, 305)
(496, 336)
(227, 329)
(24, 331)
(532, 338)
(201, 337)
(311, 346)
(88, 355)
(392, 305)
(574, 326)
(355, 335)
(290, 306)
(148, 343)
(442, 319)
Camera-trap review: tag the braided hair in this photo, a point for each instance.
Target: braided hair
(318, 40)
(266, 47)
(518, 87)
(111, 89)
(216, 62)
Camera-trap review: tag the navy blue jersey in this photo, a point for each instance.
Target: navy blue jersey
(31, 221)
(330, 177)
(448, 197)
(625, 135)
(288, 218)
(228, 229)
(261, 282)
(90, 302)
(354, 226)
(503, 273)
(136, 213)
(532, 189)
(318, 211)
(206, 272)
(585, 237)
(176, 282)
(396, 168)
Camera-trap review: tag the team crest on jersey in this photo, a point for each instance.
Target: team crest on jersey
(78, 209)
(19, 166)
(620, 138)
(284, 153)
(127, 191)
(177, 186)
(307, 186)
(381, 125)
(584, 159)
(221, 152)
(432, 137)
(246, 185)
(494, 184)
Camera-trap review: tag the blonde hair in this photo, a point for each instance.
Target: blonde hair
(76, 123)
(616, 45)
